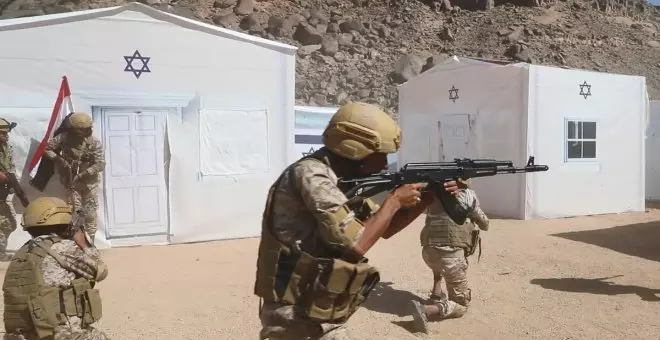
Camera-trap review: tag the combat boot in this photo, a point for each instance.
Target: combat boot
(457, 312)
(420, 321)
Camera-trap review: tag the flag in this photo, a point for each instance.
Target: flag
(63, 107)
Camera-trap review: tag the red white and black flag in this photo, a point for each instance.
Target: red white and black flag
(61, 110)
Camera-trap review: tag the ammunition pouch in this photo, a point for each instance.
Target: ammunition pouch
(325, 290)
(49, 308)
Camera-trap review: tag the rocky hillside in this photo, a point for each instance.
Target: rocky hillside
(360, 49)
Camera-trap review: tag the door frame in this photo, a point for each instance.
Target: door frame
(99, 116)
(439, 128)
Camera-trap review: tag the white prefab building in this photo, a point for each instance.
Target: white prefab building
(196, 121)
(588, 127)
(653, 153)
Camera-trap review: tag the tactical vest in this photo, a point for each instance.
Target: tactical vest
(32, 306)
(440, 230)
(326, 290)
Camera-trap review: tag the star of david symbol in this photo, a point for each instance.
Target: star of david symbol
(308, 153)
(453, 93)
(137, 71)
(582, 87)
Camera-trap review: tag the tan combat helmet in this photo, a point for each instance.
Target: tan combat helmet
(80, 120)
(357, 130)
(6, 126)
(46, 211)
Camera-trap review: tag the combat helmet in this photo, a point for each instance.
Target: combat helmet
(6, 126)
(357, 130)
(80, 120)
(46, 211)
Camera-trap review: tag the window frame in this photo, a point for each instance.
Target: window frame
(566, 139)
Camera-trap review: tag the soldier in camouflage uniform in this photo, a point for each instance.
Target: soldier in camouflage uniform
(7, 167)
(79, 160)
(444, 249)
(312, 233)
(49, 285)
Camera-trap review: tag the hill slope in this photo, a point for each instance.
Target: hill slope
(359, 49)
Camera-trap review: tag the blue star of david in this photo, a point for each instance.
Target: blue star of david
(308, 153)
(585, 94)
(453, 93)
(129, 64)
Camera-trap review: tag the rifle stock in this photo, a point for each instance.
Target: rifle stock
(435, 174)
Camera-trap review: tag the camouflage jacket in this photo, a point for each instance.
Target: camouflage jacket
(7, 159)
(85, 158)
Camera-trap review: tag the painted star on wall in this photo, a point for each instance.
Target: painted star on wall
(584, 86)
(137, 72)
(308, 153)
(453, 93)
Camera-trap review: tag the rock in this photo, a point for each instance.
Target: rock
(55, 9)
(432, 61)
(308, 49)
(149, 2)
(244, 7)
(653, 43)
(224, 3)
(333, 27)
(446, 34)
(515, 35)
(250, 23)
(225, 20)
(21, 13)
(329, 45)
(307, 35)
(352, 25)
(316, 16)
(407, 68)
(345, 39)
(275, 25)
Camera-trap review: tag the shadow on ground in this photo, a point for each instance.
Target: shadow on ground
(597, 286)
(641, 240)
(385, 299)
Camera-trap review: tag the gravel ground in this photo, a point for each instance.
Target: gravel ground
(581, 278)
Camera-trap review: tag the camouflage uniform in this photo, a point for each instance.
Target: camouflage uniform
(7, 214)
(83, 263)
(307, 188)
(86, 160)
(445, 255)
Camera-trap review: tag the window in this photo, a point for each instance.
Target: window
(580, 139)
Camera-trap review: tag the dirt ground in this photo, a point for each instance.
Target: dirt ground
(580, 278)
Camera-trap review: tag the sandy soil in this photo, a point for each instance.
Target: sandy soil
(581, 278)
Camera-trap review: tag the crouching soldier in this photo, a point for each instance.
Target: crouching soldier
(445, 248)
(49, 285)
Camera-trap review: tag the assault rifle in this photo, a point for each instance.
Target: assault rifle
(435, 174)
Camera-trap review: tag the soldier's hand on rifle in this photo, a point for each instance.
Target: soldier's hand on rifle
(451, 187)
(409, 195)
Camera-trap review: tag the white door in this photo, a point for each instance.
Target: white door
(454, 132)
(135, 190)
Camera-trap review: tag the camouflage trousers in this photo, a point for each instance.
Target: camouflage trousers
(7, 224)
(84, 196)
(283, 322)
(65, 333)
(448, 263)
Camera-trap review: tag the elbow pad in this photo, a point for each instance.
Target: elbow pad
(341, 228)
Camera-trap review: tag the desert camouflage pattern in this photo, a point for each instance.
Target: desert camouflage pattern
(8, 222)
(7, 226)
(448, 264)
(86, 160)
(281, 322)
(85, 263)
(306, 189)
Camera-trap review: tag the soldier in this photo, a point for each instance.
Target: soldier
(79, 159)
(446, 246)
(314, 239)
(8, 185)
(49, 285)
